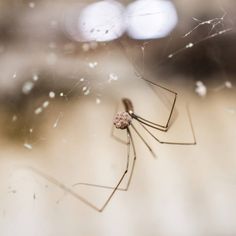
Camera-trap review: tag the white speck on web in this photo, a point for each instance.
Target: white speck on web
(82, 80)
(35, 77)
(87, 92)
(112, 77)
(38, 110)
(27, 87)
(14, 76)
(45, 104)
(57, 120)
(31, 130)
(93, 64)
(190, 45)
(201, 89)
(14, 118)
(52, 94)
(61, 94)
(28, 146)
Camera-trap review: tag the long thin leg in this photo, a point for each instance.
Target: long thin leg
(149, 123)
(173, 143)
(115, 188)
(153, 124)
(138, 74)
(146, 144)
(131, 172)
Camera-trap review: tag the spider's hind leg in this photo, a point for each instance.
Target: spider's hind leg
(129, 169)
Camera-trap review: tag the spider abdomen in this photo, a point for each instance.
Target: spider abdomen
(122, 120)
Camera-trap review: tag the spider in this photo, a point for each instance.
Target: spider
(123, 120)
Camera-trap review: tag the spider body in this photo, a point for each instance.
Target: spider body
(122, 120)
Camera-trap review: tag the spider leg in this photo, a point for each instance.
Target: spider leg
(146, 144)
(131, 171)
(161, 127)
(115, 188)
(172, 143)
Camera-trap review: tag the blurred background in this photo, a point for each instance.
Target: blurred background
(66, 65)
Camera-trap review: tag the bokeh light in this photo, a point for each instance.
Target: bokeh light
(102, 21)
(149, 19)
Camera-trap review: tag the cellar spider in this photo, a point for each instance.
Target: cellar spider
(124, 121)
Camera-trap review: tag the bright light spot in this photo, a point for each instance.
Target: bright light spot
(93, 64)
(190, 45)
(28, 146)
(102, 21)
(45, 104)
(87, 92)
(98, 101)
(52, 94)
(228, 84)
(201, 89)
(149, 19)
(35, 77)
(27, 87)
(84, 88)
(38, 110)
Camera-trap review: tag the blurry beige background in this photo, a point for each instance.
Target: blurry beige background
(58, 98)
